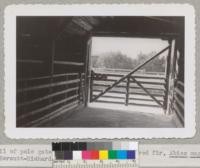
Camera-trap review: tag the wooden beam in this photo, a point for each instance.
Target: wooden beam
(152, 83)
(53, 114)
(146, 76)
(158, 102)
(180, 83)
(179, 102)
(87, 70)
(180, 93)
(110, 91)
(179, 114)
(30, 61)
(142, 104)
(134, 34)
(113, 97)
(130, 73)
(162, 19)
(69, 63)
(168, 66)
(46, 107)
(47, 85)
(132, 87)
(108, 101)
(149, 76)
(145, 94)
(141, 99)
(47, 97)
(46, 77)
(91, 86)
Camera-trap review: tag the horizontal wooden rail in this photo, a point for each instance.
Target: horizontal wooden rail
(139, 99)
(46, 77)
(179, 92)
(46, 107)
(121, 92)
(53, 114)
(113, 97)
(124, 71)
(149, 88)
(131, 87)
(141, 104)
(30, 61)
(159, 77)
(145, 94)
(69, 63)
(180, 83)
(179, 114)
(114, 102)
(48, 85)
(179, 102)
(110, 91)
(108, 74)
(144, 82)
(146, 76)
(47, 97)
(145, 99)
(106, 80)
(150, 83)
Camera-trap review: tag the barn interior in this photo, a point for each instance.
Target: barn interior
(54, 77)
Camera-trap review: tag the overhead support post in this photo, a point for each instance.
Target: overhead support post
(87, 71)
(169, 75)
(167, 70)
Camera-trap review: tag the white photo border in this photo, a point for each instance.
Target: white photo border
(98, 10)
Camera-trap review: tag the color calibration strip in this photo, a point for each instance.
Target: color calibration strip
(94, 150)
(95, 155)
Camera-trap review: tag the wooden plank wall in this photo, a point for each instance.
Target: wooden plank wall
(178, 99)
(48, 86)
(176, 95)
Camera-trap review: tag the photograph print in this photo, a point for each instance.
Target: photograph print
(100, 71)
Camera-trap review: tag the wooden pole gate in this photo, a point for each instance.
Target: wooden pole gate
(131, 88)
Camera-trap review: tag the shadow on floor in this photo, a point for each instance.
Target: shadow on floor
(98, 117)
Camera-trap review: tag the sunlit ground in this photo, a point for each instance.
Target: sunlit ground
(130, 108)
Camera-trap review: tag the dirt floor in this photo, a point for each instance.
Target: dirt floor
(100, 117)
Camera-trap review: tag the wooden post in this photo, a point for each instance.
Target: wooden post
(91, 86)
(127, 91)
(169, 76)
(87, 70)
(77, 90)
(52, 67)
(80, 93)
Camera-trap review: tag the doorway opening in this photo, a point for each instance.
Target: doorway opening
(128, 73)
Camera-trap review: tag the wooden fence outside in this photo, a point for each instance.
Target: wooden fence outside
(138, 89)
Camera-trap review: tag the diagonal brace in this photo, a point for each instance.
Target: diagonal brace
(139, 84)
(130, 73)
